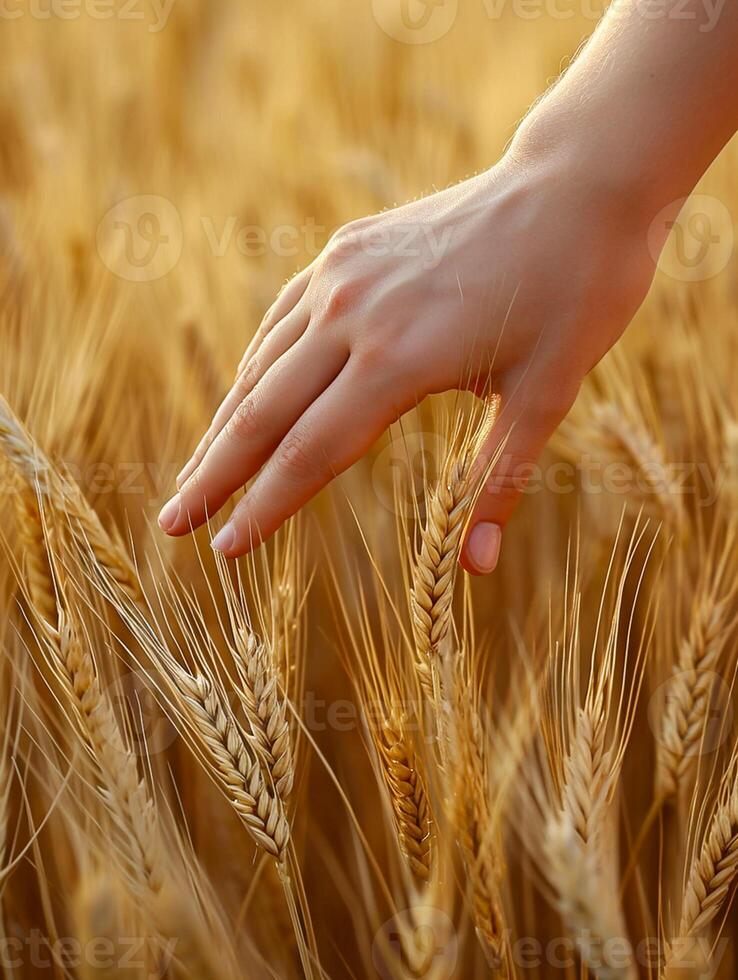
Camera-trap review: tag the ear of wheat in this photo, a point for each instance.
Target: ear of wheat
(435, 567)
(236, 766)
(44, 480)
(408, 797)
(472, 818)
(712, 874)
(265, 711)
(690, 693)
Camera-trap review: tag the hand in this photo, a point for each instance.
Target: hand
(512, 281)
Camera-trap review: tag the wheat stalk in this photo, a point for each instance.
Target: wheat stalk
(472, 818)
(588, 772)
(690, 692)
(573, 841)
(712, 875)
(644, 451)
(434, 573)
(236, 767)
(38, 578)
(265, 711)
(582, 898)
(43, 479)
(125, 792)
(408, 797)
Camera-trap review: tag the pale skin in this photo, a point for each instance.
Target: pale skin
(517, 280)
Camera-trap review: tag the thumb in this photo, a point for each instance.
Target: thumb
(508, 478)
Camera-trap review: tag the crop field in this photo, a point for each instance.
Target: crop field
(341, 756)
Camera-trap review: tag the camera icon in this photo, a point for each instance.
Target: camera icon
(140, 238)
(415, 21)
(692, 239)
(416, 944)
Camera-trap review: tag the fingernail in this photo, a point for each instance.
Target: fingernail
(224, 539)
(484, 546)
(169, 513)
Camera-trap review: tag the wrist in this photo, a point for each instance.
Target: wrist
(579, 153)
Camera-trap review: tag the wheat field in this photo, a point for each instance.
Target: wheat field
(339, 757)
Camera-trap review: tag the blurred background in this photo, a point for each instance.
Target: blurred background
(165, 166)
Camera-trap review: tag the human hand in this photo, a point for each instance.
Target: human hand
(512, 281)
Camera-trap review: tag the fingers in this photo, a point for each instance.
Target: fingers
(276, 343)
(255, 428)
(285, 302)
(528, 427)
(337, 429)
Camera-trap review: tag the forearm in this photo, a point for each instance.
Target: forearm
(647, 105)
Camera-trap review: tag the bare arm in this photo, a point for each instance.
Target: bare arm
(521, 279)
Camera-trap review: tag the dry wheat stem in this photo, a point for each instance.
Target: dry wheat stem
(473, 821)
(409, 799)
(124, 792)
(31, 464)
(236, 768)
(583, 899)
(265, 710)
(39, 581)
(435, 568)
(577, 859)
(435, 571)
(690, 692)
(712, 875)
(714, 871)
(647, 455)
(587, 772)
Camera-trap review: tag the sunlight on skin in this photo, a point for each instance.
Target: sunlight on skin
(523, 276)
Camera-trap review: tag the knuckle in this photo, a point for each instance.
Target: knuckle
(245, 419)
(338, 301)
(296, 458)
(248, 377)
